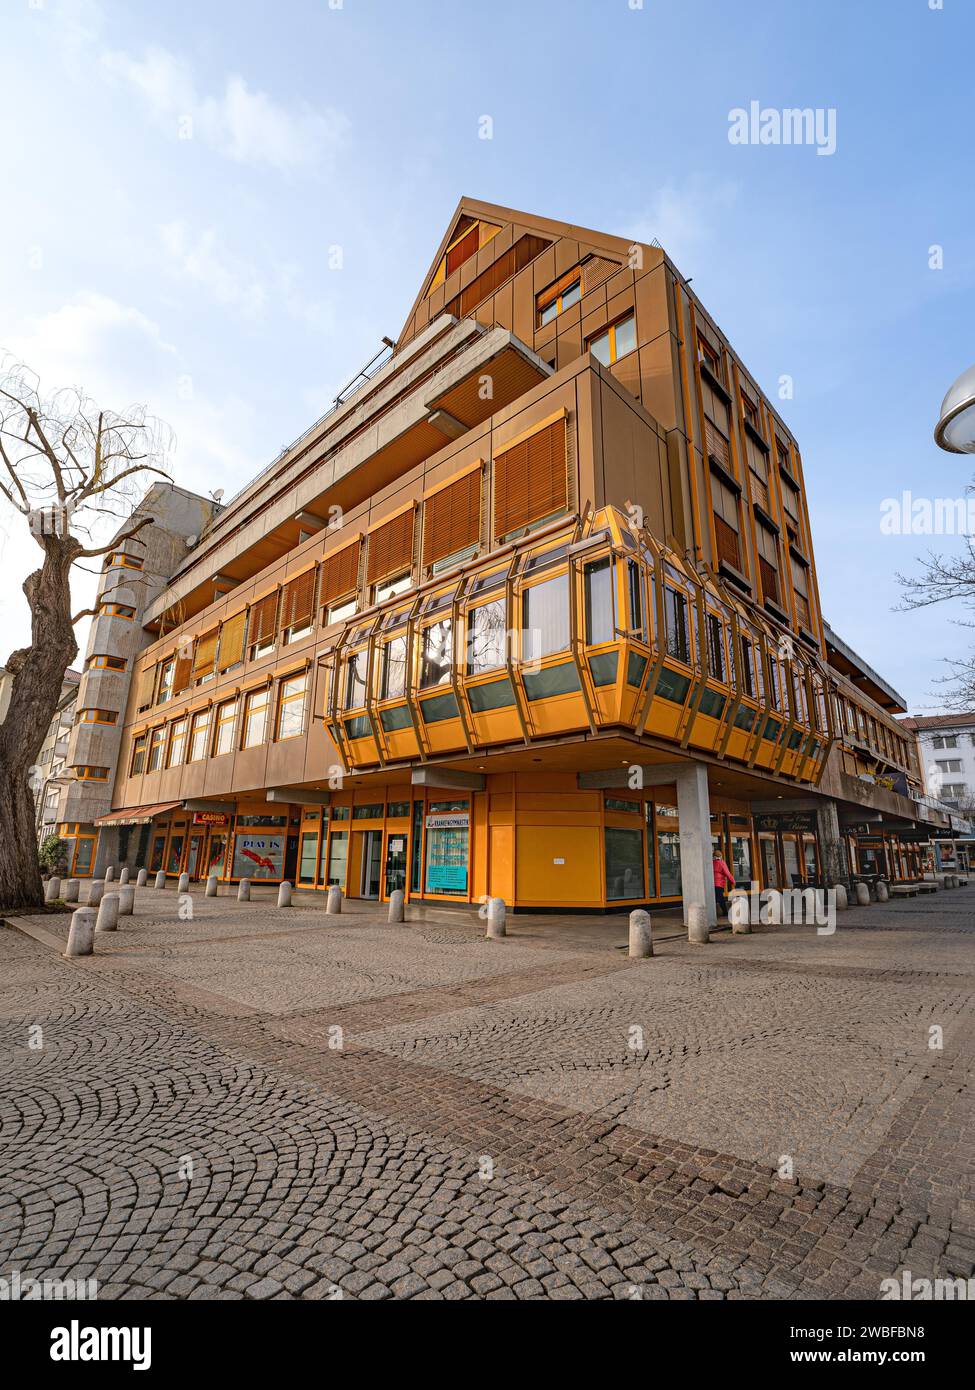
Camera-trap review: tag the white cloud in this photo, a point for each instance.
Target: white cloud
(683, 219)
(249, 127)
(202, 259)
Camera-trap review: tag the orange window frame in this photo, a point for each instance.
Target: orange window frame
(226, 715)
(610, 335)
(137, 763)
(157, 744)
(284, 699)
(177, 741)
(199, 724)
(255, 702)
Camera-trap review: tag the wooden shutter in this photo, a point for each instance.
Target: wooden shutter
(391, 546)
(562, 283)
(452, 517)
(232, 640)
(770, 579)
(147, 683)
(205, 656)
(530, 480)
(717, 444)
(726, 538)
(340, 572)
(484, 285)
(596, 270)
(263, 615)
(182, 673)
(463, 249)
(298, 603)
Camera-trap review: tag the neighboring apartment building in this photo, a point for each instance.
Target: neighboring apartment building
(51, 770)
(531, 612)
(947, 743)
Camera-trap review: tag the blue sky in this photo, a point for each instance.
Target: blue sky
(193, 274)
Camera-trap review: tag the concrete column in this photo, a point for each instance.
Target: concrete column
(244, 891)
(697, 925)
(333, 903)
(124, 874)
(496, 913)
(141, 878)
(641, 934)
(71, 890)
(397, 909)
(832, 847)
(109, 873)
(183, 883)
(211, 888)
(696, 873)
(107, 919)
(160, 879)
(126, 900)
(284, 894)
(96, 889)
(52, 890)
(81, 934)
(883, 893)
(862, 895)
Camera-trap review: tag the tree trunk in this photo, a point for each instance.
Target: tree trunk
(38, 673)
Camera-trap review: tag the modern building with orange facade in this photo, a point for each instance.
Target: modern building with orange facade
(531, 612)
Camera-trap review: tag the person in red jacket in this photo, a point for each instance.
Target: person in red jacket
(723, 879)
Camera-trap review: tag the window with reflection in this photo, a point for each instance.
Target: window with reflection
(545, 618)
(486, 628)
(635, 594)
(716, 658)
(392, 676)
(675, 616)
(600, 624)
(355, 680)
(436, 663)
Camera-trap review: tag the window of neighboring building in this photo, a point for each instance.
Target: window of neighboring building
(437, 656)
(116, 610)
(91, 774)
(199, 731)
(223, 741)
(177, 742)
(107, 663)
(545, 618)
(98, 716)
(392, 680)
(157, 740)
(486, 630)
(129, 562)
(614, 342)
(255, 718)
(291, 706)
(949, 764)
(947, 740)
(138, 764)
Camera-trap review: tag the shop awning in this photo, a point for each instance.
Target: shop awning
(136, 815)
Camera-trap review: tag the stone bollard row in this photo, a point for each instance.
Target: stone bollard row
(109, 873)
(96, 891)
(123, 877)
(842, 900)
(244, 891)
(81, 934)
(141, 878)
(397, 905)
(496, 914)
(211, 889)
(126, 900)
(183, 883)
(333, 903)
(71, 890)
(160, 879)
(284, 894)
(738, 916)
(641, 934)
(697, 925)
(52, 890)
(883, 892)
(862, 893)
(108, 909)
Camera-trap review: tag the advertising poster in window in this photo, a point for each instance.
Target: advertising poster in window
(258, 855)
(447, 843)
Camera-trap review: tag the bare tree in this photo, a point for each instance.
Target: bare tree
(946, 579)
(71, 471)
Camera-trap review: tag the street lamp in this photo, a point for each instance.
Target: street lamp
(955, 430)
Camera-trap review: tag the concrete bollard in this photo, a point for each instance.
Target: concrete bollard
(108, 909)
(81, 935)
(244, 891)
(126, 900)
(109, 873)
(738, 915)
(771, 913)
(496, 913)
(951, 880)
(183, 883)
(123, 877)
(52, 890)
(160, 879)
(697, 925)
(96, 891)
(862, 895)
(333, 903)
(141, 878)
(71, 890)
(842, 900)
(641, 934)
(883, 892)
(284, 894)
(211, 889)
(397, 907)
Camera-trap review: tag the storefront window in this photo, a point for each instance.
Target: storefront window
(217, 855)
(156, 858)
(668, 853)
(338, 855)
(416, 847)
(741, 858)
(308, 857)
(174, 854)
(258, 854)
(448, 835)
(545, 618)
(624, 863)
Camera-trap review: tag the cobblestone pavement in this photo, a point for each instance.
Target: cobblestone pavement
(254, 1103)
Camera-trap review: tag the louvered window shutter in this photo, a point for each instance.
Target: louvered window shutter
(232, 640)
(299, 600)
(340, 573)
(147, 682)
(391, 547)
(263, 615)
(205, 655)
(530, 480)
(182, 673)
(452, 518)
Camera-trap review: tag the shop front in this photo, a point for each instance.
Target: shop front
(788, 850)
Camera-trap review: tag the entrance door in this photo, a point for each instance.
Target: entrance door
(809, 853)
(372, 859)
(395, 861)
(194, 857)
(790, 859)
(770, 865)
